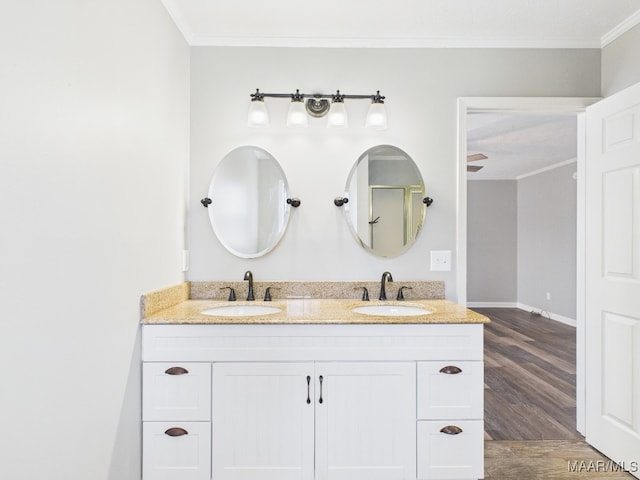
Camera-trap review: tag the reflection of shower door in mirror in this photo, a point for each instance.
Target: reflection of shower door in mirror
(388, 231)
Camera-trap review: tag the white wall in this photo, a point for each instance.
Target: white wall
(421, 86)
(93, 160)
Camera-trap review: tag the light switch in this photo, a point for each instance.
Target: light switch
(440, 260)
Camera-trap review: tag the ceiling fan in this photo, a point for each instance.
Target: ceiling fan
(474, 158)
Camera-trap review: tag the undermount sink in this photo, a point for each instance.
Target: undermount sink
(241, 310)
(391, 310)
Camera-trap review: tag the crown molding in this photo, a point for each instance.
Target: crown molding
(620, 29)
(175, 12)
(392, 42)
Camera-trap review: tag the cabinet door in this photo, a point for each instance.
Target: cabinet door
(365, 421)
(176, 451)
(262, 417)
(176, 391)
(450, 390)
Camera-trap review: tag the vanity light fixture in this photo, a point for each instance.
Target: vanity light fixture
(317, 105)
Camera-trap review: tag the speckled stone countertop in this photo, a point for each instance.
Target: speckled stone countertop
(157, 310)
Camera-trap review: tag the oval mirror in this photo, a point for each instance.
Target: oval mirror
(249, 211)
(385, 211)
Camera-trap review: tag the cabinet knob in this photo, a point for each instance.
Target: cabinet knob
(451, 430)
(176, 371)
(451, 370)
(176, 432)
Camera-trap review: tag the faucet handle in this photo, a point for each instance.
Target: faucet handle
(232, 293)
(267, 293)
(400, 295)
(365, 293)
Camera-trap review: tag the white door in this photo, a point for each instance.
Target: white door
(262, 421)
(365, 421)
(613, 277)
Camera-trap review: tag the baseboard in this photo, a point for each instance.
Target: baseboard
(550, 315)
(527, 308)
(492, 305)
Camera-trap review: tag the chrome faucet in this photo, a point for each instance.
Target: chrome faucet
(386, 276)
(249, 276)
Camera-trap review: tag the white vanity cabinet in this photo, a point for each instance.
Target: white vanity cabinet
(315, 402)
(289, 421)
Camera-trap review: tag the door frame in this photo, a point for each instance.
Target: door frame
(529, 105)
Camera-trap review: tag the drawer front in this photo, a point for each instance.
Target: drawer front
(176, 391)
(450, 449)
(450, 390)
(176, 451)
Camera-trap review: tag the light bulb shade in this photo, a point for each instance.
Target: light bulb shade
(297, 116)
(337, 116)
(258, 115)
(376, 117)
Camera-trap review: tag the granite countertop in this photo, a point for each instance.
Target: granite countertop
(313, 311)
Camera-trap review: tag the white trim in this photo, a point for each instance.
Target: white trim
(492, 305)
(546, 169)
(175, 12)
(581, 296)
(550, 315)
(377, 42)
(617, 31)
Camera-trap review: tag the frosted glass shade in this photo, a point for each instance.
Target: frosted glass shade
(376, 117)
(297, 116)
(258, 115)
(337, 116)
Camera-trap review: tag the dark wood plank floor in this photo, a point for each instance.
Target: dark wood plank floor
(529, 377)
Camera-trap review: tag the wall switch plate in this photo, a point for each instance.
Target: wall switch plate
(440, 260)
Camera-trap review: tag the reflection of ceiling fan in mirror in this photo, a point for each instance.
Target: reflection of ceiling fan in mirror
(474, 158)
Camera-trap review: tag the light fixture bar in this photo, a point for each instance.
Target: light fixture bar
(317, 105)
(374, 97)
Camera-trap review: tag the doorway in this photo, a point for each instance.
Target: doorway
(513, 105)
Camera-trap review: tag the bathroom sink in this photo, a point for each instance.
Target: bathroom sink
(241, 310)
(391, 310)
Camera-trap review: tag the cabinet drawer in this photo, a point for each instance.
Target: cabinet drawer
(450, 390)
(450, 449)
(176, 391)
(176, 451)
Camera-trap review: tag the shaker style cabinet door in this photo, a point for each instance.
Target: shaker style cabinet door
(262, 421)
(365, 421)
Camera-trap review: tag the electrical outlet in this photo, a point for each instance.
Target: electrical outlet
(440, 260)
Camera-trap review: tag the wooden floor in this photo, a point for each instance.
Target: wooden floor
(530, 377)
(530, 408)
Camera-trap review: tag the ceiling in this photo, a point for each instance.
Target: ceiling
(404, 23)
(520, 144)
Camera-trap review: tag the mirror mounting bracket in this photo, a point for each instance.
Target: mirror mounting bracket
(339, 201)
(294, 202)
(206, 202)
(427, 201)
